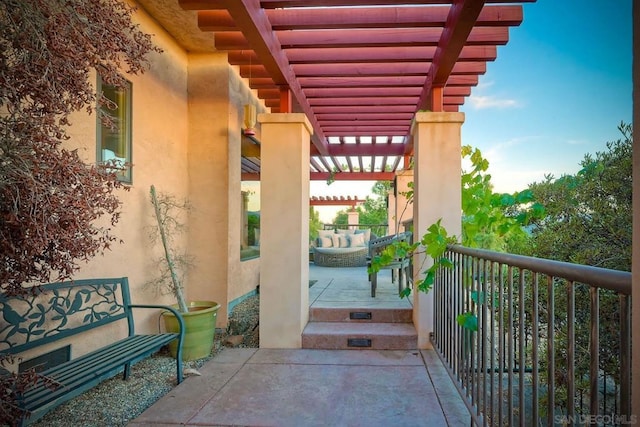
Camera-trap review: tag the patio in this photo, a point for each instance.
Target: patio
(318, 387)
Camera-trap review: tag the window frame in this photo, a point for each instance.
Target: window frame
(126, 174)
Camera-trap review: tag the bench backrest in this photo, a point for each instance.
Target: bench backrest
(58, 310)
(376, 246)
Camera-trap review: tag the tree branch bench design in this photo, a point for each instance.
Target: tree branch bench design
(60, 310)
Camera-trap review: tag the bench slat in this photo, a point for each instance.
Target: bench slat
(85, 372)
(63, 309)
(100, 364)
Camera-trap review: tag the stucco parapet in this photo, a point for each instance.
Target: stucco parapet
(285, 118)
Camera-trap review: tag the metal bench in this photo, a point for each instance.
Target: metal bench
(60, 310)
(400, 267)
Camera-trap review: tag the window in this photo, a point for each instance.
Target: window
(114, 133)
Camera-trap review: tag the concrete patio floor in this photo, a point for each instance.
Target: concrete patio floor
(305, 387)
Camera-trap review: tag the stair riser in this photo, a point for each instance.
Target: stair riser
(341, 342)
(360, 315)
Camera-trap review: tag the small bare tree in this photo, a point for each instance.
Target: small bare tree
(173, 265)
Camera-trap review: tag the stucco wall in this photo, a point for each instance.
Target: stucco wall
(186, 141)
(159, 132)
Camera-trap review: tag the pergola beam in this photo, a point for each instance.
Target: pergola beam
(273, 4)
(248, 15)
(383, 37)
(353, 176)
(368, 17)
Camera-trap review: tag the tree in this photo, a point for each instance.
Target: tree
(374, 209)
(589, 221)
(314, 223)
(49, 198)
(489, 221)
(588, 218)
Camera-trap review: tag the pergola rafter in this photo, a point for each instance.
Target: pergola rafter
(359, 68)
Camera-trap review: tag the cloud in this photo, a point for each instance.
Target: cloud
(484, 102)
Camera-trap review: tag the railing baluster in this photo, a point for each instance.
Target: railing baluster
(625, 358)
(594, 366)
(482, 301)
(510, 350)
(465, 341)
(571, 349)
(535, 413)
(551, 357)
(521, 349)
(501, 338)
(492, 343)
(482, 283)
(459, 309)
(476, 348)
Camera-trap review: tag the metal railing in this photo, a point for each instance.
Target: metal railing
(529, 341)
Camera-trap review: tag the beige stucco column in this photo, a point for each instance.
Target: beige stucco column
(353, 217)
(403, 209)
(437, 194)
(284, 221)
(214, 180)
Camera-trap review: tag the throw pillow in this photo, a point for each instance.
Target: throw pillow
(357, 240)
(325, 242)
(325, 233)
(367, 234)
(344, 242)
(345, 232)
(336, 240)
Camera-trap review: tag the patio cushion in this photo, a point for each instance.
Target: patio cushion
(357, 240)
(324, 242)
(326, 233)
(367, 234)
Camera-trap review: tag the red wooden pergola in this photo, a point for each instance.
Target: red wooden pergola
(358, 69)
(335, 201)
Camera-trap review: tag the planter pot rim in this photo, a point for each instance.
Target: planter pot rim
(203, 306)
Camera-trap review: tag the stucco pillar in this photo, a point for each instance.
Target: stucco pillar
(284, 221)
(437, 195)
(214, 179)
(403, 209)
(353, 217)
(391, 210)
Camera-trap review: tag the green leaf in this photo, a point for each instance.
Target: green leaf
(507, 199)
(524, 196)
(468, 321)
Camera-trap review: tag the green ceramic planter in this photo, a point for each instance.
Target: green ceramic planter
(200, 329)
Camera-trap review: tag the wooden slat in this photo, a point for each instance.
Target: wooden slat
(385, 37)
(385, 17)
(400, 100)
(257, 29)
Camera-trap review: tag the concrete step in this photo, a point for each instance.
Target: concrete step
(359, 336)
(363, 314)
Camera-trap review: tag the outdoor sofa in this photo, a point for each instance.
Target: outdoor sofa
(342, 248)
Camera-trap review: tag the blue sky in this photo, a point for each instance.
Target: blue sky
(556, 91)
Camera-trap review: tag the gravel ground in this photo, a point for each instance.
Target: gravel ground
(115, 402)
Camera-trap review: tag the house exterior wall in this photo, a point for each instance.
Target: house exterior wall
(185, 141)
